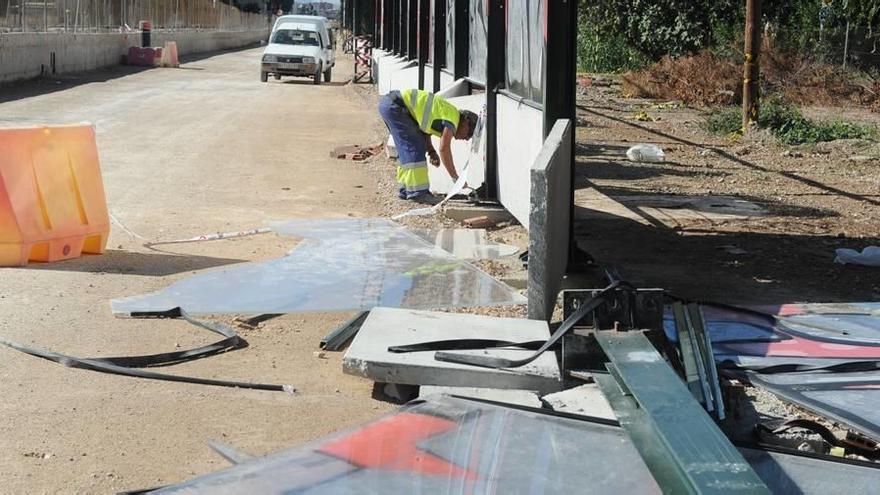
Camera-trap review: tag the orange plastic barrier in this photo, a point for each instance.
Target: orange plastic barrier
(52, 204)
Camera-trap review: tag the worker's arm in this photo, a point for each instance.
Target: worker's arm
(446, 152)
(432, 153)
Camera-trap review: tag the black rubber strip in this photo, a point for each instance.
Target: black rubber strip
(464, 344)
(569, 323)
(129, 365)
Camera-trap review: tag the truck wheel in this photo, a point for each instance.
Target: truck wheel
(277, 77)
(317, 79)
(264, 76)
(327, 74)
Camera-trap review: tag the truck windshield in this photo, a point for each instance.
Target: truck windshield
(295, 37)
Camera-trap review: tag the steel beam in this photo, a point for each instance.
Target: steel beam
(679, 442)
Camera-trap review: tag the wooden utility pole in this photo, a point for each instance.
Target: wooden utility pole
(751, 67)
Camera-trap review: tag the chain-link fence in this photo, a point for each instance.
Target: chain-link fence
(97, 16)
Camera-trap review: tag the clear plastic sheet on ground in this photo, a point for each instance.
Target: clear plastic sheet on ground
(340, 265)
(467, 244)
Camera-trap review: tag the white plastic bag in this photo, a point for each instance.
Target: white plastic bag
(646, 153)
(870, 256)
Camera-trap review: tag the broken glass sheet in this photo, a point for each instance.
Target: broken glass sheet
(813, 334)
(451, 446)
(341, 265)
(850, 398)
(446, 445)
(467, 244)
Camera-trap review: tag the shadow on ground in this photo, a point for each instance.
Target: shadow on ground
(737, 267)
(738, 261)
(51, 83)
(131, 263)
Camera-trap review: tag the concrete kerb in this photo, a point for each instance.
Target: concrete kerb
(549, 216)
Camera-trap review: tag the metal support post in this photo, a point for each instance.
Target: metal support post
(462, 38)
(495, 64)
(412, 47)
(681, 445)
(424, 20)
(439, 40)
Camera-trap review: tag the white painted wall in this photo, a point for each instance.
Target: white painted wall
(520, 138)
(393, 72)
(28, 55)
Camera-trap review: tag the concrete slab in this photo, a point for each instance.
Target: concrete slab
(549, 219)
(586, 400)
(368, 354)
(527, 398)
(460, 211)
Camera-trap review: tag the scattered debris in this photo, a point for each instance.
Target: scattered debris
(130, 365)
(480, 222)
(870, 256)
(356, 152)
(732, 249)
(645, 153)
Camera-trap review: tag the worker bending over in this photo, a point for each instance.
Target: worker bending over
(412, 117)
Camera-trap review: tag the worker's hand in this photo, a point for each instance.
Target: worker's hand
(435, 160)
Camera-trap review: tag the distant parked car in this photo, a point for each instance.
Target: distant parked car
(300, 46)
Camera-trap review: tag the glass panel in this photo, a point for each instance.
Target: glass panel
(342, 265)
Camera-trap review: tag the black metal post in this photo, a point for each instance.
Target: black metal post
(462, 38)
(355, 29)
(395, 26)
(560, 71)
(377, 22)
(404, 28)
(412, 50)
(386, 25)
(439, 40)
(424, 20)
(495, 63)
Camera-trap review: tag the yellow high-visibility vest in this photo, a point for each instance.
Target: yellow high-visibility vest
(426, 107)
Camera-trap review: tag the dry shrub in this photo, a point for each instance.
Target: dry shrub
(702, 79)
(705, 80)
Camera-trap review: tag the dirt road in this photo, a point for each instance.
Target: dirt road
(201, 149)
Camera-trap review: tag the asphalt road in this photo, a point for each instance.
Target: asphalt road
(187, 151)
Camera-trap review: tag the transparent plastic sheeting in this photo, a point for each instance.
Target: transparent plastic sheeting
(525, 48)
(850, 398)
(809, 334)
(467, 244)
(446, 445)
(341, 265)
(479, 40)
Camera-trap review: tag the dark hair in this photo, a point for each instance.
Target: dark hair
(471, 118)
